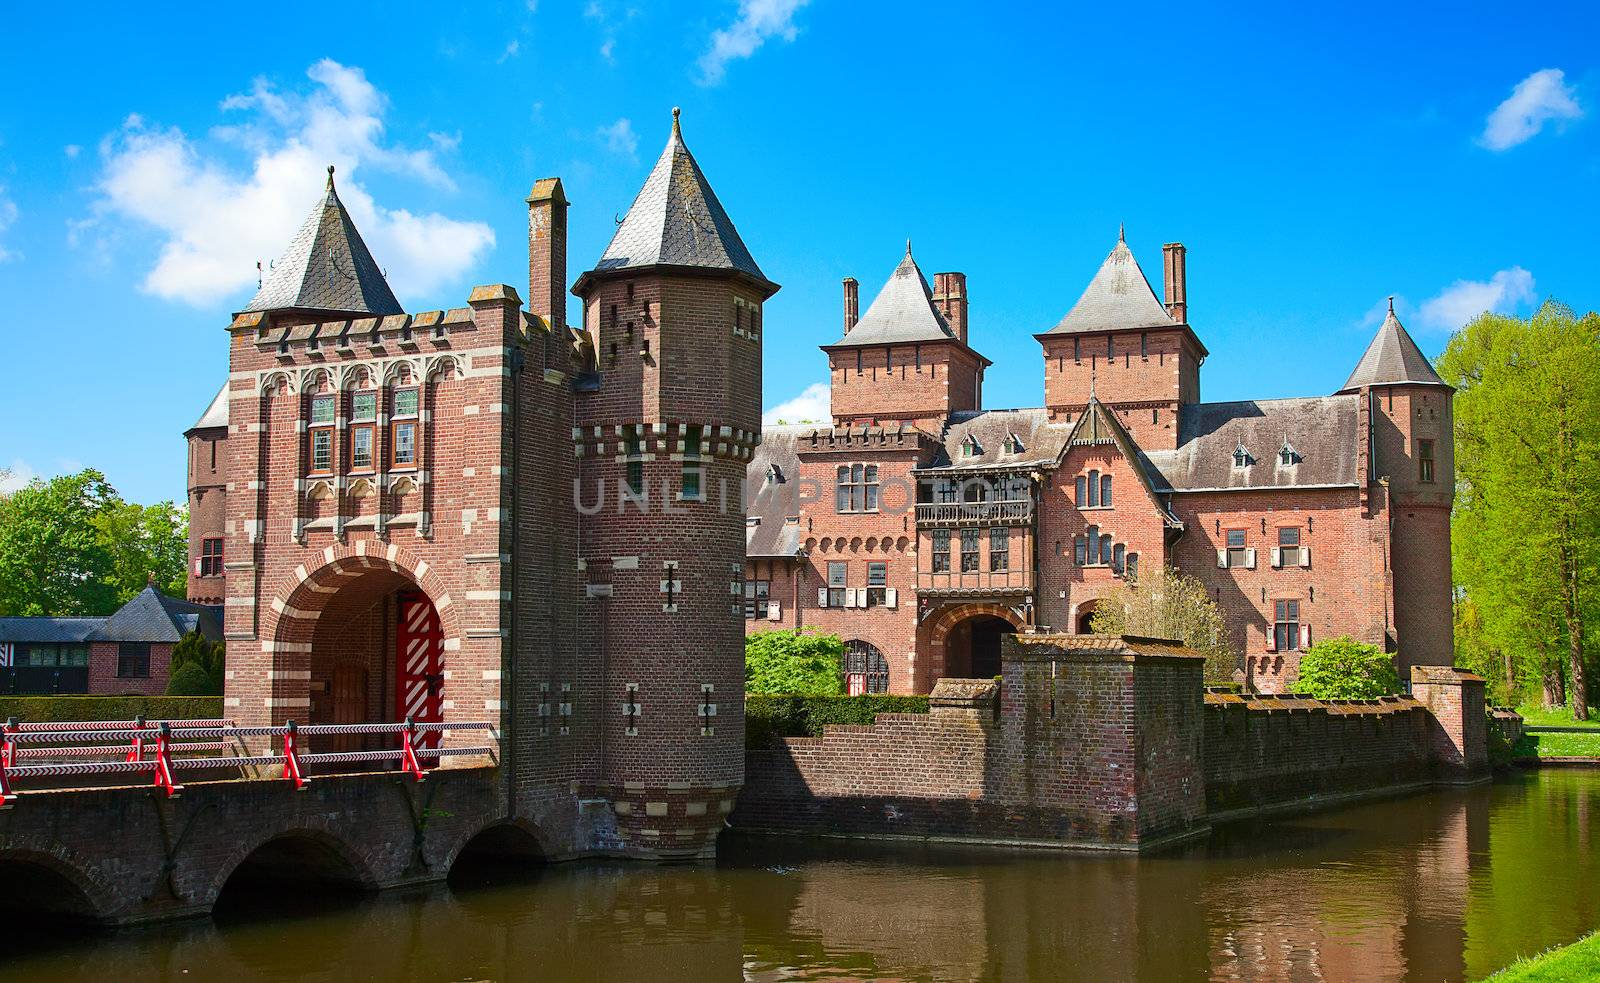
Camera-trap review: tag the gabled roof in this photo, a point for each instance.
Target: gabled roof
(1041, 440)
(154, 617)
(327, 268)
(903, 311)
(1392, 359)
(677, 221)
(774, 474)
(48, 630)
(216, 414)
(1098, 425)
(1118, 298)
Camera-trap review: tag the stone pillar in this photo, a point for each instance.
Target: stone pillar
(1455, 700)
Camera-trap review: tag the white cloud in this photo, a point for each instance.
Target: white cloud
(619, 137)
(216, 220)
(72, 151)
(16, 476)
(813, 405)
(8, 216)
(1537, 99)
(607, 51)
(758, 20)
(512, 50)
(1466, 299)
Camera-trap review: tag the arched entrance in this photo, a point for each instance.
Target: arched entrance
(865, 668)
(969, 638)
(1083, 618)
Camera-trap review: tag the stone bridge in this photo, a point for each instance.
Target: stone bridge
(131, 854)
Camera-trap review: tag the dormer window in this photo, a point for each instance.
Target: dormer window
(1013, 444)
(1241, 457)
(970, 447)
(774, 474)
(1287, 455)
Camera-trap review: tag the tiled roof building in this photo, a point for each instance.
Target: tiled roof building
(920, 527)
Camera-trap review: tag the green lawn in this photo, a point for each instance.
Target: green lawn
(1576, 963)
(1536, 716)
(1557, 745)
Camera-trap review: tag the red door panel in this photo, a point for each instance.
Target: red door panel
(419, 664)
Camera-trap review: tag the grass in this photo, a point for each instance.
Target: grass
(1534, 715)
(1575, 963)
(1557, 745)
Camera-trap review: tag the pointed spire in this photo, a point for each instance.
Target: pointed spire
(677, 128)
(1119, 297)
(908, 245)
(330, 177)
(1391, 305)
(903, 311)
(1122, 232)
(1392, 358)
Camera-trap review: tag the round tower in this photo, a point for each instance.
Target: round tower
(666, 422)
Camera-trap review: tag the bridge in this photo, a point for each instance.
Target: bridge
(161, 816)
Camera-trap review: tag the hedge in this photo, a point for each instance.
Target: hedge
(44, 709)
(769, 717)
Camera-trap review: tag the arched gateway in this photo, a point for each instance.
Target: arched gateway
(965, 639)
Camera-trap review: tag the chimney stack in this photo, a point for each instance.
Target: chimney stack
(950, 296)
(1177, 280)
(547, 252)
(852, 303)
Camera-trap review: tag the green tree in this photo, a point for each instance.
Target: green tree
(1345, 669)
(149, 544)
(206, 657)
(1169, 604)
(1526, 528)
(802, 662)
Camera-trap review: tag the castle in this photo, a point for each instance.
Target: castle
(384, 505)
(921, 527)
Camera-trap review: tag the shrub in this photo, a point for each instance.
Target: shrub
(190, 680)
(1345, 669)
(802, 662)
(194, 649)
(47, 709)
(788, 715)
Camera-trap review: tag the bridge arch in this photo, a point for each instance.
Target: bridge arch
(504, 842)
(303, 855)
(51, 880)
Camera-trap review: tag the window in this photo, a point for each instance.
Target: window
(691, 464)
(1080, 493)
(856, 488)
(633, 466)
(865, 668)
(999, 549)
(1118, 555)
(756, 593)
(1131, 567)
(1289, 546)
(838, 574)
(363, 416)
(970, 447)
(211, 557)
(1241, 457)
(1286, 626)
(1077, 349)
(1110, 352)
(1079, 550)
(133, 660)
(941, 551)
(975, 490)
(403, 430)
(361, 449)
(969, 550)
(947, 491)
(1013, 444)
(1094, 489)
(1106, 551)
(1094, 545)
(321, 430)
(1105, 491)
(1425, 461)
(1236, 548)
(877, 584)
(1144, 345)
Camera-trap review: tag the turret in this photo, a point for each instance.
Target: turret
(673, 310)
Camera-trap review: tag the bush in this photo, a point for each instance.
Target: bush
(47, 709)
(206, 656)
(803, 663)
(1345, 669)
(189, 680)
(767, 717)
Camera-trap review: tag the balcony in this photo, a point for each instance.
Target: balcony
(1009, 513)
(974, 583)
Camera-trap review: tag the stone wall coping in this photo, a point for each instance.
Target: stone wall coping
(1443, 676)
(1292, 703)
(1096, 648)
(963, 693)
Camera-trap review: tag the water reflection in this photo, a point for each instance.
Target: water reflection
(1443, 887)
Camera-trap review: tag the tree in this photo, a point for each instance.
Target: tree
(205, 658)
(802, 662)
(1345, 669)
(72, 546)
(1172, 605)
(1526, 529)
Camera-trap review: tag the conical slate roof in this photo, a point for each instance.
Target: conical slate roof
(677, 221)
(327, 268)
(1392, 359)
(1118, 297)
(216, 414)
(902, 312)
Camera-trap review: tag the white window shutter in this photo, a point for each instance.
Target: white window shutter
(1272, 639)
(1305, 636)
(891, 597)
(1250, 559)
(1305, 556)
(822, 597)
(1222, 558)
(197, 567)
(1277, 556)
(850, 598)
(774, 611)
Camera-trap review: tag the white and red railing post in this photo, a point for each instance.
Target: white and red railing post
(291, 756)
(165, 779)
(409, 762)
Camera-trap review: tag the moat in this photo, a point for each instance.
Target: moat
(1445, 886)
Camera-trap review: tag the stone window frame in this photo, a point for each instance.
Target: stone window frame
(321, 413)
(404, 422)
(211, 552)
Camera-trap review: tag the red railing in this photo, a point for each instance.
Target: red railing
(159, 748)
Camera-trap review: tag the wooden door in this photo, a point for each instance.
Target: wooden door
(349, 704)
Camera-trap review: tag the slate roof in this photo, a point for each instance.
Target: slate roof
(776, 494)
(1118, 298)
(1322, 431)
(216, 414)
(327, 267)
(1391, 359)
(46, 630)
(677, 221)
(154, 617)
(903, 312)
(1041, 440)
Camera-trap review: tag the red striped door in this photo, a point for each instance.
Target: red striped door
(419, 669)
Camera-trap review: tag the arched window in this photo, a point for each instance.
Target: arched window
(1094, 489)
(1079, 550)
(1117, 554)
(1080, 496)
(1105, 491)
(1094, 544)
(975, 490)
(865, 669)
(1105, 550)
(1131, 570)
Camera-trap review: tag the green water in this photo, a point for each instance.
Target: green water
(1443, 887)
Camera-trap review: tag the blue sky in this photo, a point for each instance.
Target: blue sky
(1314, 160)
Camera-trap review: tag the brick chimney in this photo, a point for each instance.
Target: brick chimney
(1177, 280)
(547, 252)
(852, 303)
(950, 296)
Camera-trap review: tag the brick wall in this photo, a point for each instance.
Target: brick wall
(921, 383)
(1146, 370)
(208, 508)
(103, 678)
